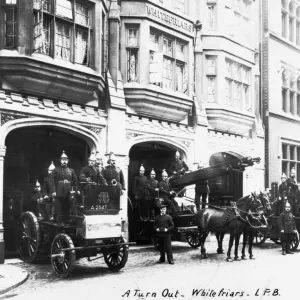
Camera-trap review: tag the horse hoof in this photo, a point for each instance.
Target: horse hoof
(237, 258)
(229, 259)
(204, 256)
(220, 251)
(251, 257)
(244, 258)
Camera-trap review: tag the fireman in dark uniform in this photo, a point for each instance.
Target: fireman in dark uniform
(153, 189)
(38, 200)
(282, 194)
(163, 225)
(287, 227)
(201, 192)
(140, 191)
(113, 174)
(63, 181)
(47, 196)
(90, 174)
(292, 186)
(178, 167)
(167, 193)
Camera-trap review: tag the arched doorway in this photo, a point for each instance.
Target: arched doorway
(29, 152)
(152, 154)
(224, 189)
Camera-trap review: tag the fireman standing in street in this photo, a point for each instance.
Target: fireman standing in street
(153, 190)
(90, 174)
(140, 191)
(163, 225)
(47, 196)
(178, 167)
(287, 227)
(113, 174)
(63, 181)
(292, 189)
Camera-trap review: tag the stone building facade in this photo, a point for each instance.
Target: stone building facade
(139, 78)
(281, 87)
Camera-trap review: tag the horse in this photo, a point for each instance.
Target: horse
(250, 230)
(228, 219)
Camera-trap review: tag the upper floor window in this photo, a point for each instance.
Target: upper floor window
(237, 86)
(290, 91)
(132, 46)
(168, 66)
(212, 17)
(290, 21)
(211, 74)
(290, 154)
(10, 17)
(238, 14)
(62, 29)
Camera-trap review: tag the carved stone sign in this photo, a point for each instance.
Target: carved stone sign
(169, 19)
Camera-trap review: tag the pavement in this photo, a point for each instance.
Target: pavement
(11, 276)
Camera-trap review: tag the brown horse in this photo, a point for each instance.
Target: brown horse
(227, 220)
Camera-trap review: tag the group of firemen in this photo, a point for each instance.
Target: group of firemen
(287, 197)
(53, 198)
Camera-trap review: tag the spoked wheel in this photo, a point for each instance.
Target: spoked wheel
(155, 242)
(193, 239)
(260, 237)
(295, 242)
(116, 257)
(29, 237)
(62, 261)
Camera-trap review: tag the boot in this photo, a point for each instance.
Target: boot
(288, 248)
(283, 248)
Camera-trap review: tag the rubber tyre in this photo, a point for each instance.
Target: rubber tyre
(29, 237)
(193, 239)
(64, 265)
(116, 257)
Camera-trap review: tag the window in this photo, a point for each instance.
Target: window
(212, 17)
(238, 13)
(168, 67)
(211, 73)
(132, 53)
(290, 159)
(290, 21)
(237, 83)
(290, 86)
(62, 29)
(10, 14)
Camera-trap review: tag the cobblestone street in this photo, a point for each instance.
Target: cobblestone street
(163, 281)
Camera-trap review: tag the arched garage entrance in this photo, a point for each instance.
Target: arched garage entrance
(30, 146)
(152, 154)
(224, 189)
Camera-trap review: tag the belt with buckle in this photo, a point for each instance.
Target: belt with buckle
(64, 181)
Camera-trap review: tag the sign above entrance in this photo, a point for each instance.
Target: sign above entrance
(169, 19)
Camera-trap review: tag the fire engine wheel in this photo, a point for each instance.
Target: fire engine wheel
(62, 260)
(193, 239)
(29, 237)
(116, 257)
(260, 237)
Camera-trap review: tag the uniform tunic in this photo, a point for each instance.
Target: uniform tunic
(113, 172)
(164, 237)
(46, 188)
(286, 222)
(165, 187)
(140, 184)
(201, 192)
(62, 180)
(283, 189)
(152, 184)
(178, 166)
(92, 173)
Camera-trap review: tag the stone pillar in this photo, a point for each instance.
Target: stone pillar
(124, 206)
(2, 155)
(114, 25)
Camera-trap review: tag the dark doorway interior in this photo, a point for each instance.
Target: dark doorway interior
(28, 155)
(224, 189)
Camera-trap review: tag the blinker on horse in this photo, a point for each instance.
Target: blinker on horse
(232, 220)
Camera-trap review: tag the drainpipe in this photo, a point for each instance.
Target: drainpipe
(114, 27)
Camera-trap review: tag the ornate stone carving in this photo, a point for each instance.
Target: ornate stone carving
(130, 135)
(187, 143)
(9, 117)
(96, 130)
